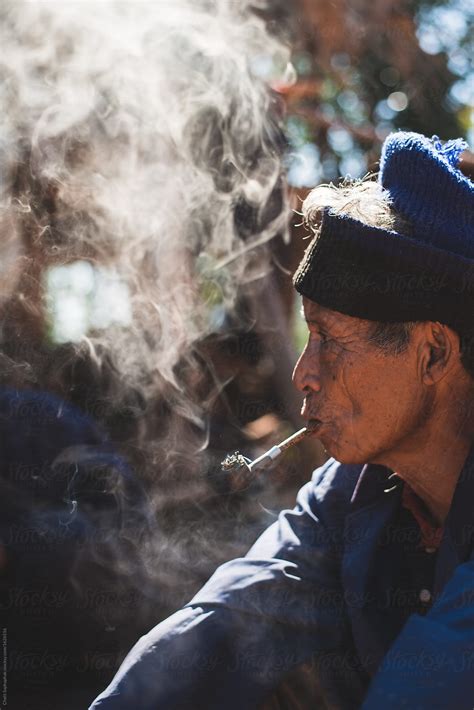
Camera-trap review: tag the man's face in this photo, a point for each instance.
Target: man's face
(370, 404)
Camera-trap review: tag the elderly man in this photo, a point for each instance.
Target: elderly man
(368, 583)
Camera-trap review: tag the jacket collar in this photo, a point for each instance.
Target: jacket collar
(373, 504)
(374, 485)
(458, 540)
(460, 520)
(375, 499)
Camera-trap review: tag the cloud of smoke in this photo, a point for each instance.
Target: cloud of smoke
(136, 135)
(141, 138)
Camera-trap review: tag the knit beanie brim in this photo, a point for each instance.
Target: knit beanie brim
(382, 275)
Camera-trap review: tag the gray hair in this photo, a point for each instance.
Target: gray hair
(364, 200)
(391, 338)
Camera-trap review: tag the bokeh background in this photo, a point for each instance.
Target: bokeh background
(154, 159)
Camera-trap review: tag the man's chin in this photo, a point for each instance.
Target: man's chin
(340, 452)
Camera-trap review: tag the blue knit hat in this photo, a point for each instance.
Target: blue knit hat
(426, 273)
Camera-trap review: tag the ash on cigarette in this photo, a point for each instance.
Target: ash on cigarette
(233, 461)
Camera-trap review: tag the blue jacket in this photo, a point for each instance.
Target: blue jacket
(335, 581)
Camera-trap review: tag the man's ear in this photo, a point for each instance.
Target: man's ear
(438, 351)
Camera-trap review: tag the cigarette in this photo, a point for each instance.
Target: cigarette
(275, 451)
(236, 461)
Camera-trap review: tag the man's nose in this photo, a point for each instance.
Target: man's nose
(306, 375)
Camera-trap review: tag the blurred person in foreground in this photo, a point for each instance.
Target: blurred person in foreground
(362, 595)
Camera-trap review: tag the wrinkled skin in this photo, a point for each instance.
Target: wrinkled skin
(370, 403)
(412, 411)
